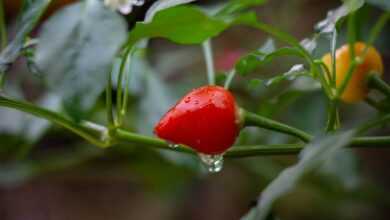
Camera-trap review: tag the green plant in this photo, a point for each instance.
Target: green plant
(85, 49)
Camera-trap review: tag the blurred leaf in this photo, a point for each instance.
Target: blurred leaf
(312, 108)
(250, 62)
(329, 23)
(75, 51)
(345, 167)
(193, 26)
(313, 156)
(254, 83)
(234, 6)
(28, 20)
(154, 103)
(382, 4)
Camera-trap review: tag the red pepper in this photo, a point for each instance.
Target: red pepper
(206, 119)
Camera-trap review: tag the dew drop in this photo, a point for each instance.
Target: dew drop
(187, 100)
(213, 163)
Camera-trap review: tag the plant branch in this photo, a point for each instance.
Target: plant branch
(208, 55)
(109, 106)
(378, 27)
(87, 129)
(374, 81)
(119, 96)
(333, 122)
(245, 151)
(344, 83)
(251, 119)
(81, 130)
(371, 102)
(230, 78)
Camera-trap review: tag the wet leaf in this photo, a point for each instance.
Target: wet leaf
(312, 157)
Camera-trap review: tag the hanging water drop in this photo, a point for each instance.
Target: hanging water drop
(213, 163)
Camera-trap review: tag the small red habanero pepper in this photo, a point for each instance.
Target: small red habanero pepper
(206, 119)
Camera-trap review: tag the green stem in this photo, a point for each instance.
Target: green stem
(344, 83)
(374, 32)
(374, 123)
(351, 34)
(374, 81)
(125, 101)
(120, 86)
(371, 102)
(245, 151)
(325, 68)
(208, 55)
(229, 79)
(56, 118)
(3, 28)
(333, 57)
(126, 136)
(378, 27)
(86, 128)
(378, 141)
(109, 106)
(2, 80)
(333, 116)
(251, 119)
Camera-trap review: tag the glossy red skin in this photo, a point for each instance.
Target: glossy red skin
(206, 120)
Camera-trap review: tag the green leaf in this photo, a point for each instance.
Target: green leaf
(193, 27)
(76, 49)
(313, 156)
(382, 4)
(250, 62)
(234, 6)
(28, 20)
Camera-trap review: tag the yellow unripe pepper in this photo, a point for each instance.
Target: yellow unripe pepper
(356, 89)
